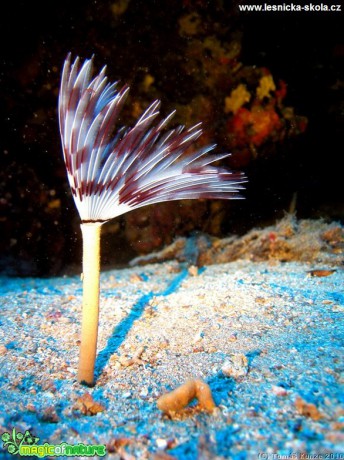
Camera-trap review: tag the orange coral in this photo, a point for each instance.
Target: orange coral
(281, 92)
(266, 85)
(253, 126)
(264, 122)
(238, 97)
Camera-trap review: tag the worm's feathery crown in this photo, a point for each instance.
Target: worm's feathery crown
(110, 174)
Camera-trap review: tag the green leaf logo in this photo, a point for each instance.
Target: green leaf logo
(14, 441)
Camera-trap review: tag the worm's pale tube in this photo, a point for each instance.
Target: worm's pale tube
(90, 301)
(112, 170)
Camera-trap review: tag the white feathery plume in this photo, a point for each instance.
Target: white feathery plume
(111, 174)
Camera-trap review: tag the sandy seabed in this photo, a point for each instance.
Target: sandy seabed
(162, 325)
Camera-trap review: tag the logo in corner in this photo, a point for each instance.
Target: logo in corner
(14, 441)
(26, 445)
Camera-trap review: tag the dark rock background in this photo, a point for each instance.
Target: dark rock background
(140, 39)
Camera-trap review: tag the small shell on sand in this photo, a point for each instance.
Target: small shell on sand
(235, 366)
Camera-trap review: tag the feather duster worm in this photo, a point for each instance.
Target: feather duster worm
(111, 173)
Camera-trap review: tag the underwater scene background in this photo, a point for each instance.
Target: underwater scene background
(267, 87)
(220, 333)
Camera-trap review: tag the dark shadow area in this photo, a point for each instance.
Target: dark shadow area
(121, 330)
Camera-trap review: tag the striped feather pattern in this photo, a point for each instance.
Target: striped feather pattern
(111, 172)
